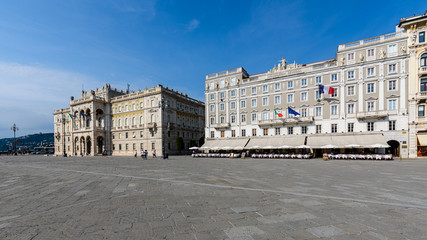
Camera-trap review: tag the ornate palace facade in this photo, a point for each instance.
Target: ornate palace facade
(370, 78)
(121, 123)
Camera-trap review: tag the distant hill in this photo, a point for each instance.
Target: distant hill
(30, 141)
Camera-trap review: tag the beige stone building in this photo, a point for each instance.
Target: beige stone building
(415, 29)
(370, 78)
(122, 123)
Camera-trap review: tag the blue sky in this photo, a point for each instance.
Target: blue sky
(50, 49)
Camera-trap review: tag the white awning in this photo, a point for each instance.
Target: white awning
(374, 140)
(275, 142)
(225, 144)
(422, 139)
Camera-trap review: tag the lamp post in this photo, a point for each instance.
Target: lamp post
(63, 134)
(162, 106)
(14, 129)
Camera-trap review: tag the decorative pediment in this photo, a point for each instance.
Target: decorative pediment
(319, 104)
(266, 110)
(305, 105)
(393, 96)
(371, 98)
(352, 101)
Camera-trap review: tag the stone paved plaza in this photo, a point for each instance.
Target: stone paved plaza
(47, 197)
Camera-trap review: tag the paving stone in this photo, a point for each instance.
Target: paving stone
(326, 231)
(243, 231)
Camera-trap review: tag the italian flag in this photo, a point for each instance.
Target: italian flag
(278, 114)
(71, 116)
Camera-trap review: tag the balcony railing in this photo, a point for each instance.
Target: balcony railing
(221, 125)
(271, 122)
(151, 125)
(422, 70)
(372, 115)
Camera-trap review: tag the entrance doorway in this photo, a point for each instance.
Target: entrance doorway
(100, 144)
(394, 148)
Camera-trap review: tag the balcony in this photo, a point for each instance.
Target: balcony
(271, 122)
(422, 71)
(221, 125)
(372, 115)
(299, 120)
(421, 96)
(151, 125)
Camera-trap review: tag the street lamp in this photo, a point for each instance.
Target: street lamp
(14, 129)
(63, 134)
(162, 106)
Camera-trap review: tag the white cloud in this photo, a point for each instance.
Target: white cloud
(30, 94)
(192, 25)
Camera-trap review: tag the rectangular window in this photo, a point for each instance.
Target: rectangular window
(120, 147)
(350, 74)
(127, 147)
(277, 100)
(264, 101)
(392, 48)
(243, 132)
(212, 134)
(370, 88)
(254, 132)
(141, 146)
(141, 134)
(350, 127)
(211, 85)
(303, 112)
(265, 116)
(277, 86)
(265, 131)
(233, 105)
(243, 92)
(371, 52)
(253, 117)
(222, 134)
(265, 88)
(253, 102)
(421, 37)
(211, 107)
(350, 90)
(303, 82)
(350, 108)
(421, 111)
(334, 128)
(243, 116)
(222, 107)
(318, 79)
(392, 125)
(334, 77)
(233, 93)
(392, 68)
(290, 84)
(370, 126)
(290, 98)
(304, 130)
(318, 111)
(392, 85)
(317, 94)
(318, 128)
(335, 92)
(423, 85)
(254, 90)
(334, 110)
(370, 72)
(212, 120)
(233, 133)
(350, 56)
(277, 131)
(222, 95)
(221, 119)
(222, 82)
(371, 106)
(233, 80)
(233, 118)
(243, 104)
(303, 96)
(392, 104)
(290, 130)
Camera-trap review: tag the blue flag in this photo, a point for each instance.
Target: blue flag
(291, 111)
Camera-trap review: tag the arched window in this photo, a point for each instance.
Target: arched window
(141, 120)
(423, 60)
(126, 121)
(120, 122)
(153, 118)
(133, 121)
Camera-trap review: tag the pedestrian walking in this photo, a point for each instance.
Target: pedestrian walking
(136, 154)
(154, 153)
(146, 154)
(142, 154)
